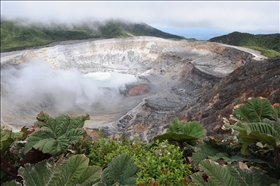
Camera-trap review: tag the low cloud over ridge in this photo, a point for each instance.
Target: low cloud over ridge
(251, 16)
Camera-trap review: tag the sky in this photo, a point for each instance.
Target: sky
(191, 19)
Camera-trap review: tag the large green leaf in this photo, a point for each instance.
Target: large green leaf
(183, 132)
(255, 110)
(73, 171)
(74, 134)
(44, 120)
(120, 170)
(64, 124)
(55, 134)
(276, 108)
(52, 146)
(36, 137)
(90, 176)
(210, 149)
(265, 128)
(229, 175)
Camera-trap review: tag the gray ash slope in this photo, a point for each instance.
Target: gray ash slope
(172, 76)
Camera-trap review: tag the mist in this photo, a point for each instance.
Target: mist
(36, 86)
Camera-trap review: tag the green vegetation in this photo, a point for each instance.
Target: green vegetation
(158, 162)
(268, 44)
(251, 159)
(270, 53)
(181, 156)
(122, 29)
(53, 136)
(238, 174)
(258, 124)
(8, 137)
(180, 132)
(16, 36)
(73, 170)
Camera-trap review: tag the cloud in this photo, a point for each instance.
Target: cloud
(228, 15)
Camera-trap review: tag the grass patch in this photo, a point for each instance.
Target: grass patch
(266, 52)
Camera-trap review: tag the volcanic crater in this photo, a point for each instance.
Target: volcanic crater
(167, 78)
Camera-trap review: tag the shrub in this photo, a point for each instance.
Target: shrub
(162, 164)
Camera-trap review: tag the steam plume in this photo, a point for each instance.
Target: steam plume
(37, 86)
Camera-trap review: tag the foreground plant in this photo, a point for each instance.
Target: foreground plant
(212, 174)
(257, 125)
(66, 171)
(53, 135)
(163, 164)
(8, 137)
(185, 135)
(250, 160)
(120, 171)
(180, 132)
(10, 152)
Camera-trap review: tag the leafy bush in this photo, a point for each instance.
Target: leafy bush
(103, 150)
(162, 164)
(54, 134)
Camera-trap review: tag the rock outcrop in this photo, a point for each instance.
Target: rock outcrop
(181, 79)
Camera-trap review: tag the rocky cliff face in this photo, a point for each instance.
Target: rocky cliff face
(254, 79)
(174, 79)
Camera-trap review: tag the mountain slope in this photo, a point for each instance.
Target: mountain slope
(15, 35)
(118, 28)
(268, 44)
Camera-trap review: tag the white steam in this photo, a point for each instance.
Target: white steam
(36, 86)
